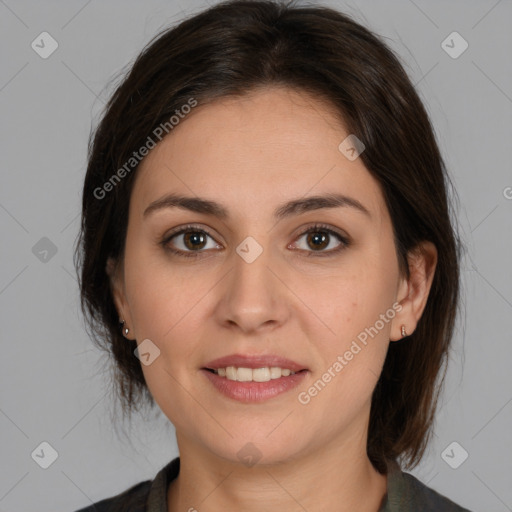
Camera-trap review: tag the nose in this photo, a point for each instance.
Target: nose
(253, 297)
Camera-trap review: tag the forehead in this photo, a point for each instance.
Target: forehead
(256, 151)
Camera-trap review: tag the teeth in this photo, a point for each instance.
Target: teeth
(275, 373)
(260, 374)
(231, 373)
(249, 375)
(244, 374)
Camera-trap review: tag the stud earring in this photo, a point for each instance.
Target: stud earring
(404, 333)
(125, 330)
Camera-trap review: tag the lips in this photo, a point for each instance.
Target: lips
(254, 392)
(256, 361)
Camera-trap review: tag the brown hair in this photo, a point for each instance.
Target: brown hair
(228, 50)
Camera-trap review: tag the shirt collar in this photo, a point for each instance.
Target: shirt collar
(157, 498)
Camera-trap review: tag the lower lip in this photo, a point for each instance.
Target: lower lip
(249, 392)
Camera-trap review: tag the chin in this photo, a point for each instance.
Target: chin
(260, 450)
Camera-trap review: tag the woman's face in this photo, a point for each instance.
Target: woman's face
(260, 280)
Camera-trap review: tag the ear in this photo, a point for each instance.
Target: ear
(114, 270)
(413, 292)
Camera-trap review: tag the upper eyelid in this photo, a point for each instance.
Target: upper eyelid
(186, 228)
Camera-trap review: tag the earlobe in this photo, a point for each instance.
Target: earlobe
(413, 292)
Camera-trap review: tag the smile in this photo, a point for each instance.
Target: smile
(242, 374)
(251, 390)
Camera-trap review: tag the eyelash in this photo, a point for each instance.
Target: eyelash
(345, 242)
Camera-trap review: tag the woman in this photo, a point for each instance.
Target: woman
(267, 252)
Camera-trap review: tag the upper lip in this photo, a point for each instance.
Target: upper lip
(256, 361)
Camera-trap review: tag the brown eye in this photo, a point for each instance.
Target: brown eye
(194, 240)
(189, 242)
(318, 240)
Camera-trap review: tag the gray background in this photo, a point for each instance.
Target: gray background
(53, 382)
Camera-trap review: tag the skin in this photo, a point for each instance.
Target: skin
(251, 154)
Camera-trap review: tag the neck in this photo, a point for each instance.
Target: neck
(335, 477)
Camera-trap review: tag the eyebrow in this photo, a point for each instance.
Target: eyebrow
(293, 207)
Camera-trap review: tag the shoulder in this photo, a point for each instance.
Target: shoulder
(133, 499)
(405, 493)
(408, 494)
(430, 499)
(146, 496)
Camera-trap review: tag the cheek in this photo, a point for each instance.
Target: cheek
(356, 305)
(349, 301)
(169, 305)
(164, 305)
(160, 295)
